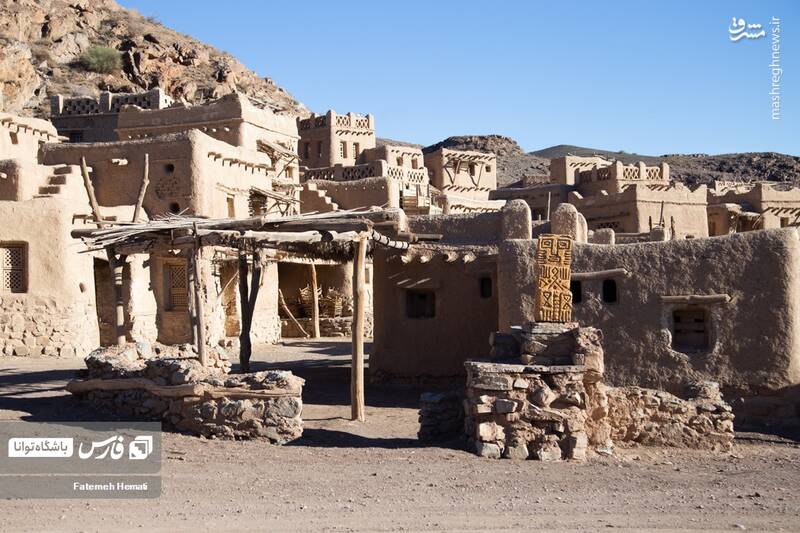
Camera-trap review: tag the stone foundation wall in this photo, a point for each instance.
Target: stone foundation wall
(652, 417)
(543, 397)
(31, 326)
(441, 416)
(168, 383)
(526, 411)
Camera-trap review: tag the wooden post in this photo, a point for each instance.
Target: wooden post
(190, 295)
(548, 205)
(314, 302)
(143, 189)
(248, 300)
(199, 315)
(357, 364)
(245, 347)
(117, 266)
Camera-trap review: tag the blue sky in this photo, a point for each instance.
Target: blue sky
(645, 77)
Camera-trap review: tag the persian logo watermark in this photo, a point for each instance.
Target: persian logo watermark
(739, 30)
(80, 460)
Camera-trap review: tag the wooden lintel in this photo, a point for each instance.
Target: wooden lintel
(696, 299)
(600, 274)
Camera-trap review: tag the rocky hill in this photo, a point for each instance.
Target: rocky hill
(514, 165)
(702, 168)
(44, 43)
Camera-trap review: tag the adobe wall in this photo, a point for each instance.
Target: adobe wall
(565, 170)
(266, 325)
(396, 155)
(22, 179)
(87, 119)
(362, 193)
(232, 119)
(778, 208)
(436, 346)
(536, 197)
(752, 337)
(633, 210)
(54, 311)
(468, 229)
(464, 316)
(615, 177)
(188, 171)
(21, 137)
(321, 135)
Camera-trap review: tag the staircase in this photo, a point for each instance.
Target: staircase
(65, 182)
(315, 200)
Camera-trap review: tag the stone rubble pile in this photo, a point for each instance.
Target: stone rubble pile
(169, 384)
(441, 416)
(652, 417)
(164, 364)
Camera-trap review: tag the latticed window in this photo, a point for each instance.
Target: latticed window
(177, 295)
(13, 262)
(690, 329)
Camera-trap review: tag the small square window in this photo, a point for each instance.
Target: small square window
(420, 304)
(13, 268)
(610, 294)
(177, 283)
(486, 287)
(690, 329)
(576, 288)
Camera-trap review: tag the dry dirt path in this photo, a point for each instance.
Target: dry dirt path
(344, 476)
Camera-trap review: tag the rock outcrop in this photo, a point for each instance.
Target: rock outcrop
(42, 43)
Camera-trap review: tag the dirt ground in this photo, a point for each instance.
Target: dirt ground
(345, 476)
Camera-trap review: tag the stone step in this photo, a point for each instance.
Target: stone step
(57, 179)
(62, 169)
(49, 190)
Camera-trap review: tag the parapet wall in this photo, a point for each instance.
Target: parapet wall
(373, 169)
(108, 103)
(381, 191)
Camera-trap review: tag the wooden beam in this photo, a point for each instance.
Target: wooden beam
(696, 299)
(359, 303)
(314, 301)
(600, 274)
(87, 184)
(143, 189)
(288, 311)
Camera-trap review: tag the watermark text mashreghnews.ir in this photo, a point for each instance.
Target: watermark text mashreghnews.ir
(776, 72)
(739, 30)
